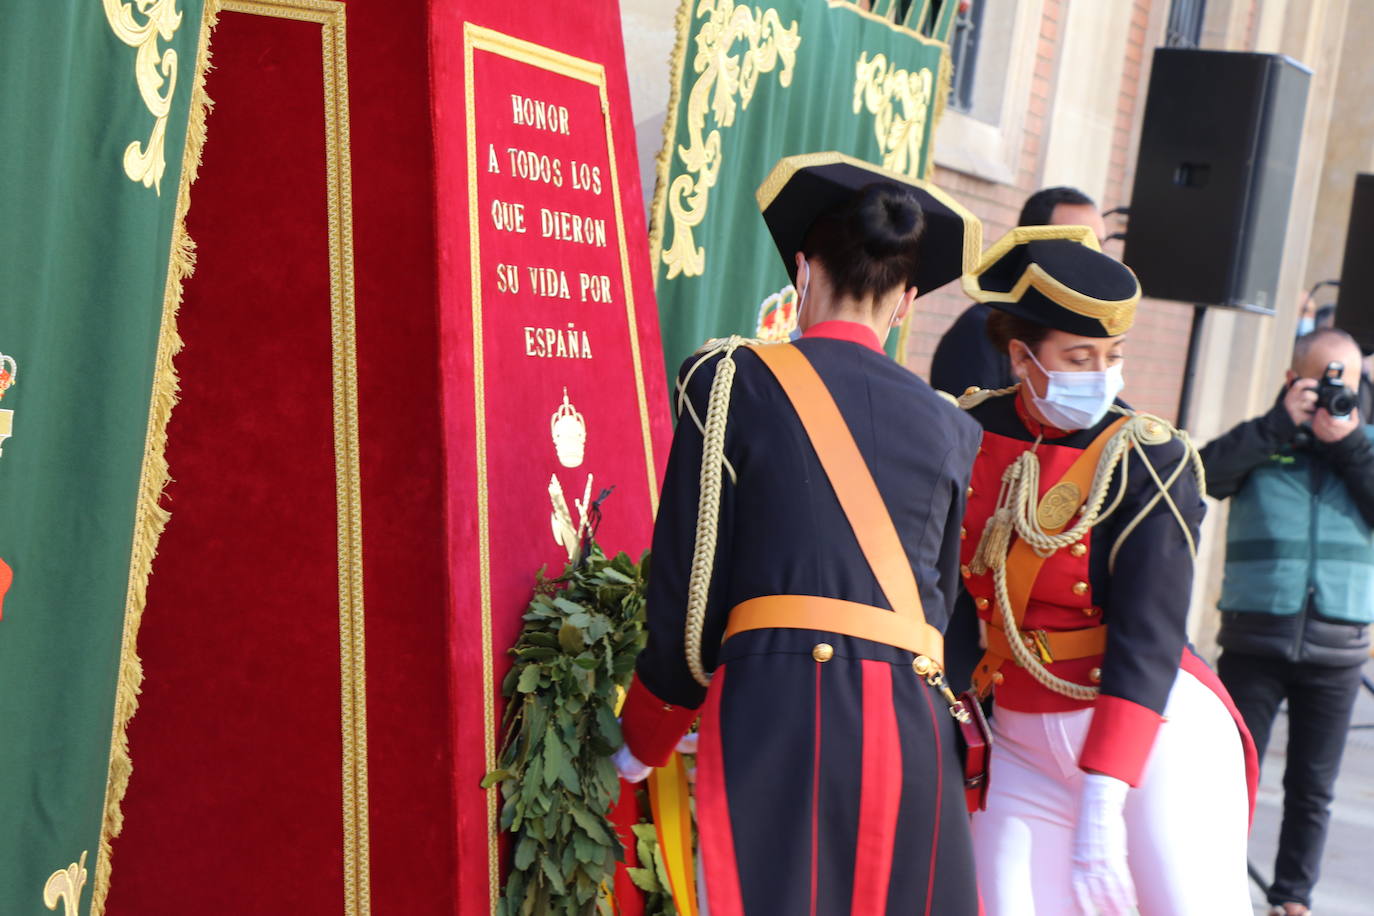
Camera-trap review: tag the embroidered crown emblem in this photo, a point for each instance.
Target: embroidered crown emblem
(569, 432)
(778, 316)
(9, 373)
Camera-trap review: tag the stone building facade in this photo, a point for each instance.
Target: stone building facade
(1056, 96)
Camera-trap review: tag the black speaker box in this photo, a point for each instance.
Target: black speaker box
(1355, 304)
(1214, 178)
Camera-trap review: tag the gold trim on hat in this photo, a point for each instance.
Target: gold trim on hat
(1115, 315)
(789, 166)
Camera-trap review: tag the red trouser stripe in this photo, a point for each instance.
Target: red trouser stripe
(713, 811)
(939, 794)
(816, 798)
(880, 792)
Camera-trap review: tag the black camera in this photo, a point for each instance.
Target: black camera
(1332, 393)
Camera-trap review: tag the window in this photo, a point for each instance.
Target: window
(1185, 24)
(993, 44)
(963, 53)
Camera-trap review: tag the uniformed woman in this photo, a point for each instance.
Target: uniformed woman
(1119, 770)
(798, 612)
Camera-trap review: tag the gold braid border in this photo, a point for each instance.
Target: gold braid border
(149, 516)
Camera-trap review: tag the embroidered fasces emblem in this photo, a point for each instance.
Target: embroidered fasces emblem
(1059, 505)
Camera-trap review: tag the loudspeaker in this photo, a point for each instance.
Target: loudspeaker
(1214, 178)
(1355, 304)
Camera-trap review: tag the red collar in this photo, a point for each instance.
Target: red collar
(1035, 426)
(851, 331)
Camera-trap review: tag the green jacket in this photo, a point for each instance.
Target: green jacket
(1299, 577)
(1295, 531)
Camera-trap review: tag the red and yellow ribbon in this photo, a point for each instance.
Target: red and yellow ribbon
(670, 798)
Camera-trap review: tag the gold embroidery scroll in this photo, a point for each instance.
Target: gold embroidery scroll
(723, 76)
(153, 73)
(900, 102)
(65, 885)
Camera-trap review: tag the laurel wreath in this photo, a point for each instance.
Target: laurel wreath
(575, 654)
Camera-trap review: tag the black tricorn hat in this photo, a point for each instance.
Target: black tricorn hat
(1057, 276)
(802, 188)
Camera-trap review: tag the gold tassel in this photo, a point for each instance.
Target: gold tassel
(149, 516)
(994, 544)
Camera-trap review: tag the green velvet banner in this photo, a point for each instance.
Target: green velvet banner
(754, 83)
(95, 108)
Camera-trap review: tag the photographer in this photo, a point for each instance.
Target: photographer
(1298, 593)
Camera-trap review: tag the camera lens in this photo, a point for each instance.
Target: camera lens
(1341, 402)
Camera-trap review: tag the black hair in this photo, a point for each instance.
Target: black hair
(871, 242)
(1038, 209)
(1004, 327)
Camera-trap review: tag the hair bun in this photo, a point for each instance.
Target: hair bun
(888, 218)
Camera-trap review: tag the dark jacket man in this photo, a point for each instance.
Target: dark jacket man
(1298, 593)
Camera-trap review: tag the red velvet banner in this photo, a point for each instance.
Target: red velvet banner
(238, 799)
(372, 431)
(550, 332)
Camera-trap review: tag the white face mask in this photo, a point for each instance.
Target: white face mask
(796, 331)
(1076, 400)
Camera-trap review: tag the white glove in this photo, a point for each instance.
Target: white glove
(688, 744)
(628, 765)
(1101, 881)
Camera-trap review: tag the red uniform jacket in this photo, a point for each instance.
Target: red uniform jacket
(1144, 600)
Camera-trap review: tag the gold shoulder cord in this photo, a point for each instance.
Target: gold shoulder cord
(713, 462)
(1017, 513)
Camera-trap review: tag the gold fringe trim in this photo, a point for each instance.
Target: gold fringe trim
(149, 516)
(664, 162)
(943, 83)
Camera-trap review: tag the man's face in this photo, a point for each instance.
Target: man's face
(1079, 215)
(1328, 351)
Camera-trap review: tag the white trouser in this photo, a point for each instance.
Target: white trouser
(1186, 823)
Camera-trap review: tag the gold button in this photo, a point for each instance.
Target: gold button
(1090, 612)
(1078, 549)
(823, 652)
(998, 677)
(1080, 588)
(963, 533)
(982, 603)
(968, 494)
(1095, 675)
(965, 571)
(922, 665)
